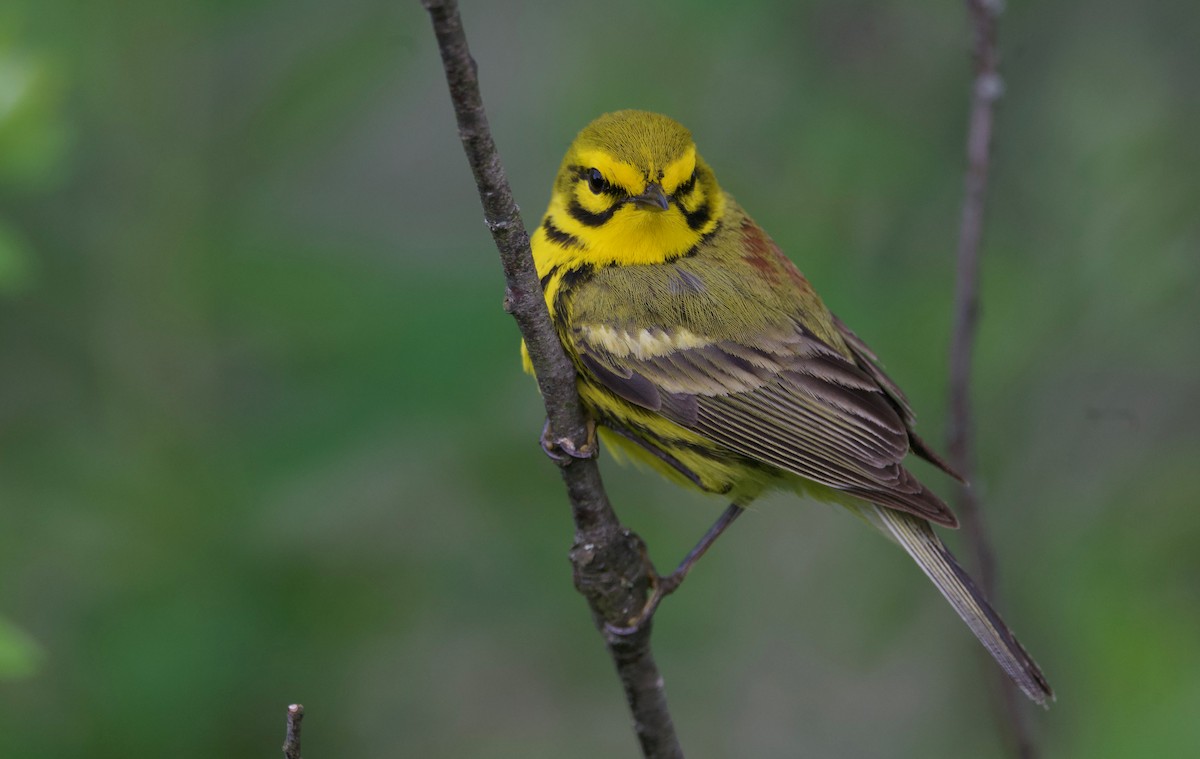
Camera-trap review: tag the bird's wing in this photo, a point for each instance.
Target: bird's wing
(866, 360)
(783, 397)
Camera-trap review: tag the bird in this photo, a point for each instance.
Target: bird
(704, 353)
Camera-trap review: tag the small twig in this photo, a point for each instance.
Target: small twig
(609, 562)
(987, 87)
(291, 743)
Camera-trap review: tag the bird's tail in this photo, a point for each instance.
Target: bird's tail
(917, 538)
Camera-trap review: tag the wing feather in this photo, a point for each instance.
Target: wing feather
(784, 398)
(868, 361)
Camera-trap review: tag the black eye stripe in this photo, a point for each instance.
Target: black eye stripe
(584, 174)
(696, 218)
(688, 185)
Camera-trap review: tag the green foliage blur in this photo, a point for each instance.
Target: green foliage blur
(264, 436)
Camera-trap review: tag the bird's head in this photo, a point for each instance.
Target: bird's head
(632, 186)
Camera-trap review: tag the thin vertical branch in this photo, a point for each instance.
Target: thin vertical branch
(291, 743)
(986, 88)
(610, 566)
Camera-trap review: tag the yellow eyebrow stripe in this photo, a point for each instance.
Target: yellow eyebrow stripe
(632, 179)
(615, 172)
(679, 170)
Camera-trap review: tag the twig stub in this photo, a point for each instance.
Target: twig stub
(291, 742)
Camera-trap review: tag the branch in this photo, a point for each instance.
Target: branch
(610, 565)
(987, 87)
(291, 744)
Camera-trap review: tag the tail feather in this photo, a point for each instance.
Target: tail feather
(917, 538)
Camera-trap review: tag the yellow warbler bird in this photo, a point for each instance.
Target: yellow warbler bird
(703, 352)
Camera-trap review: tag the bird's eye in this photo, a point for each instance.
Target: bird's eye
(596, 181)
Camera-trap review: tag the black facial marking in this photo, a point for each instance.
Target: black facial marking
(684, 189)
(699, 217)
(586, 217)
(564, 239)
(597, 184)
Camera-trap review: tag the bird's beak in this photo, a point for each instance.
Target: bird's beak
(653, 197)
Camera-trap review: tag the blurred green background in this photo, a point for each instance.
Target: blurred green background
(264, 436)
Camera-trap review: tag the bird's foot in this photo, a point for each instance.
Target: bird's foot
(562, 450)
(660, 588)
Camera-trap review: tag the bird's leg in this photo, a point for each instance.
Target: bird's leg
(671, 582)
(665, 586)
